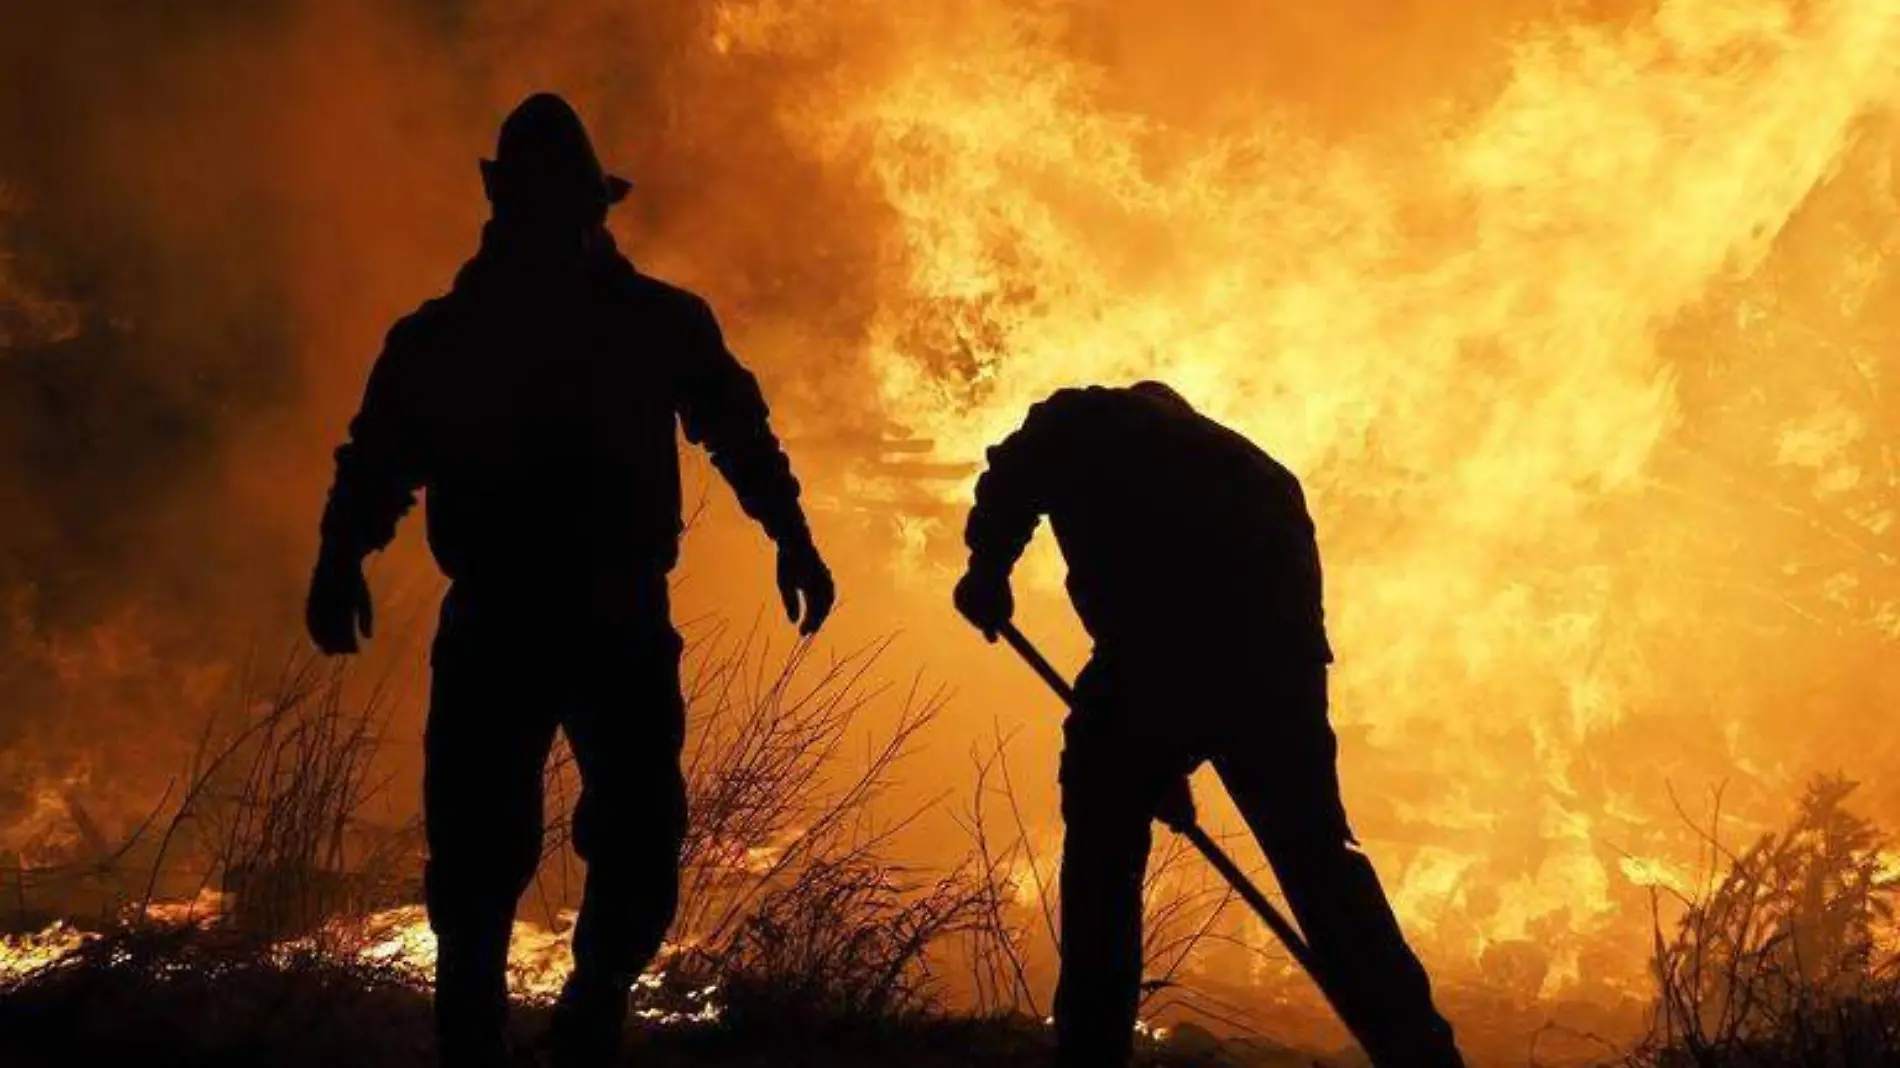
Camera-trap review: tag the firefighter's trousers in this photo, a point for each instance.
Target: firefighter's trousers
(1145, 718)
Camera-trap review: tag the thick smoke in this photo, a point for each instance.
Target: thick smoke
(211, 213)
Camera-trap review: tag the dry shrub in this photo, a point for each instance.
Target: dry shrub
(790, 901)
(848, 940)
(1017, 911)
(787, 898)
(273, 808)
(1785, 958)
(787, 895)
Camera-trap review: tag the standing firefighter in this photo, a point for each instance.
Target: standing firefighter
(1193, 565)
(536, 404)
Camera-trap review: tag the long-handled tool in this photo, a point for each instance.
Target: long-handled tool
(1282, 928)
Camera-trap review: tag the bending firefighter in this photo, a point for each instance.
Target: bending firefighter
(1193, 565)
(536, 403)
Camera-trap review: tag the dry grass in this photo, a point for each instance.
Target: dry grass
(1017, 913)
(1784, 954)
(789, 903)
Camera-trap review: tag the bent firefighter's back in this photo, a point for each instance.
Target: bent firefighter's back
(1175, 525)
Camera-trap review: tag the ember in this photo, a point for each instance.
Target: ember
(25, 955)
(398, 941)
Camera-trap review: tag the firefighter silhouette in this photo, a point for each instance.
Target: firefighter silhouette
(536, 403)
(1194, 567)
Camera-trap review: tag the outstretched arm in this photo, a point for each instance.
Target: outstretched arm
(722, 408)
(1012, 494)
(377, 475)
(1011, 498)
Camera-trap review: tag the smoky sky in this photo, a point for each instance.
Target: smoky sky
(221, 192)
(117, 149)
(210, 214)
(236, 199)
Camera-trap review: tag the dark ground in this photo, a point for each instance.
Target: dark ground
(166, 1001)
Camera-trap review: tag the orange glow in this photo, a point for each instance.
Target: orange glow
(398, 940)
(1576, 320)
(1469, 336)
(23, 955)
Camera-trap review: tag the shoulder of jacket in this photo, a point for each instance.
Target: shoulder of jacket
(1078, 401)
(418, 343)
(664, 296)
(428, 322)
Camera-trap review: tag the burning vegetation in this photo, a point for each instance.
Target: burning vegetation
(793, 916)
(1576, 320)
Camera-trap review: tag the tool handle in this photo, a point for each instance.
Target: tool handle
(1284, 930)
(1038, 663)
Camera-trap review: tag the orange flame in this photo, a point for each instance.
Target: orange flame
(398, 940)
(1457, 332)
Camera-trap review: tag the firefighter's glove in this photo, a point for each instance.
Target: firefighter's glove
(802, 575)
(1176, 807)
(983, 597)
(339, 608)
